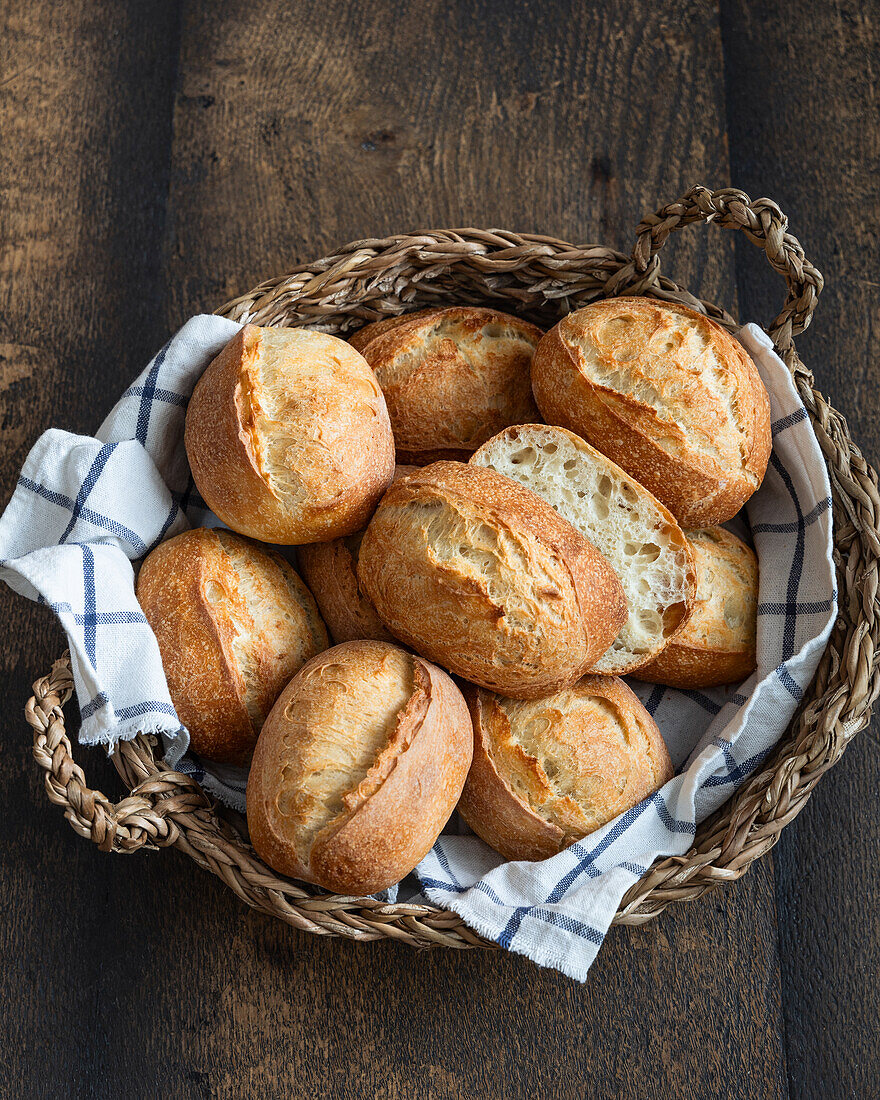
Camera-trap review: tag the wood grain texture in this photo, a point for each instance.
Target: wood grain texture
(300, 127)
(85, 121)
(820, 147)
(165, 162)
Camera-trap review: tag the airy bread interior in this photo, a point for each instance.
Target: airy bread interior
(355, 706)
(647, 551)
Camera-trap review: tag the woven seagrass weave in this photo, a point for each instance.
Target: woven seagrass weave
(542, 279)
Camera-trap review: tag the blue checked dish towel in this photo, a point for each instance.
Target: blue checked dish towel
(87, 508)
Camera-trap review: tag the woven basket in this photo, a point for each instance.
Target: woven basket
(542, 279)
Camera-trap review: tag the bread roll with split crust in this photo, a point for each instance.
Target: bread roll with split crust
(646, 548)
(667, 394)
(330, 571)
(234, 622)
(718, 644)
(288, 437)
(358, 768)
(452, 377)
(549, 771)
(485, 578)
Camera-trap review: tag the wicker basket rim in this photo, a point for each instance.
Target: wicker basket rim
(543, 278)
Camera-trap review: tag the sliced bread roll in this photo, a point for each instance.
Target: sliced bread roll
(482, 576)
(635, 532)
(548, 771)
(718, 644)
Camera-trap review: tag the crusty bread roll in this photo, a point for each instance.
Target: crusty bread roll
(548, 771)
(452, 377)
(645, 546)
(234, 622)
(288, 436)
(484, 577)
(358, 768)
(330, 571)
(363, 336)
(718, 644)
(667, 394)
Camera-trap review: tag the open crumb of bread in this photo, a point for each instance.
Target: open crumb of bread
(644, 545)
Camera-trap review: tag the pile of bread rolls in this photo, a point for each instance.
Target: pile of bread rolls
(553, 526)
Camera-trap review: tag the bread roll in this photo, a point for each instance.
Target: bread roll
(645, 546)
(358, 768)
(549, 771)
(288, 436)
(718, 644)
(330, 571)
(667, 394)
(234, 622)
(452, 377)
(484, 577)
(363, 336)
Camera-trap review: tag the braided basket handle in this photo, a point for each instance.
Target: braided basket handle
(765, 226)
(145, 819)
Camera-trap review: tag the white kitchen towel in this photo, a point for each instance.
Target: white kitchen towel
(85, 509)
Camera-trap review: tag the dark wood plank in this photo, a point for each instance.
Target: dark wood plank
(804, 123)
(85, 115)
(296, 128)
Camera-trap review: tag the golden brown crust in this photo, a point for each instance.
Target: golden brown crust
(484, 577)
(363, 336)
(381, 827)
(288, 437)
(452, 377)
(490, 807)
(719, 643)
(667, 394)
(330, 571)
(550, 771)
(206, 594)
(576, 479)
(687, 667)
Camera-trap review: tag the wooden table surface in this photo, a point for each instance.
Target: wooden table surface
(158, 158)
